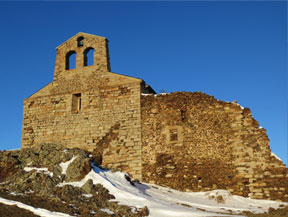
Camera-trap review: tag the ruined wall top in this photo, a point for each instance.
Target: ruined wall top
(81, 54)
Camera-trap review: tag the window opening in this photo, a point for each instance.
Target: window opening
(89, 56)
(71, 60)
(173, 135)
(76, 102)
(80, 41)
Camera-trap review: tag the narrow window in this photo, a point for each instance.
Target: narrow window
(88, 56)
(173, 135)
(76, 102)
(80, 41)
(71, 60)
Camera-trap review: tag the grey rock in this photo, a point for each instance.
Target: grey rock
(78, 169)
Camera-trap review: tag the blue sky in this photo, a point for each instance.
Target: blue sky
(231, 50)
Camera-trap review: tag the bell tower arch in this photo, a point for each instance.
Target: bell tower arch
(79, 45)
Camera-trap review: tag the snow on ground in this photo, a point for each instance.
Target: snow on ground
(36, 211)
(87, 195)
(108, 211)
(39, 170)
(65, 165)
(15, 193)
(165, 202)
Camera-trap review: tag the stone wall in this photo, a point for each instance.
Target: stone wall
(193, 142)
(188, 141)
(107, 118)
(101, 58)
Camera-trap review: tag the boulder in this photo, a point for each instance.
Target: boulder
(97, 189)
(78, 169)
(89, 187)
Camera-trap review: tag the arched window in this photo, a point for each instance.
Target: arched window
(89, 56)
(80, 41)
(71, 60)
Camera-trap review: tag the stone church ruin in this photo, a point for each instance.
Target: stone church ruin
(187, 141)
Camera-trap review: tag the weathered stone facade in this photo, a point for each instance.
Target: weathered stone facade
(188, 141)
(109, 115)
(193, 142)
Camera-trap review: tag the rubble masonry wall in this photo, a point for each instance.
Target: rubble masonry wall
(193, 142)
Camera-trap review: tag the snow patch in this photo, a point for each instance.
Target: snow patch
(274, 155)
(15, 193)
(39, 170)
(65, 151)
(239, 105)
(147, 94)
(234, 102)
(155, 95)
(159, 94)
(87, 195)
(65, 165)
(108, 211)
(167, 202)
(36, 211)
(29, 192)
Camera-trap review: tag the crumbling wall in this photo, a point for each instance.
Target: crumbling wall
(193, 142)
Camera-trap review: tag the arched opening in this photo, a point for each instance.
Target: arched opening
(70, 60)
(80, 41)
(89, 56)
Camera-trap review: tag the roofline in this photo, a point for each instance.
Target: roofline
(139, 79)
(79, 33)
(127, 76)
(38, 90)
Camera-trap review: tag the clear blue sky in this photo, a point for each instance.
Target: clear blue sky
(231, 50)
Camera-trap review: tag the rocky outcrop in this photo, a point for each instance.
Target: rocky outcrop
(34, 176)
